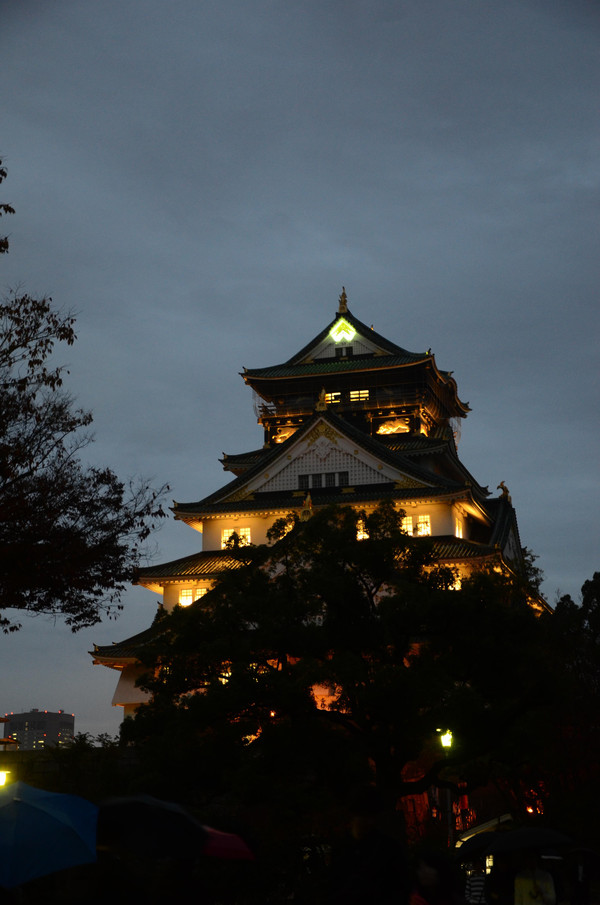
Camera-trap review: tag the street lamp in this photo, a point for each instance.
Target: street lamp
(446, 742)
(446, 739)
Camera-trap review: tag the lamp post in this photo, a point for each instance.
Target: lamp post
(446, 742)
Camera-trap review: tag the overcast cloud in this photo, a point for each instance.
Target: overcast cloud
(199, 179)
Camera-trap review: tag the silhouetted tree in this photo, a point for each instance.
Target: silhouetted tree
(325, 660)
(70, 534)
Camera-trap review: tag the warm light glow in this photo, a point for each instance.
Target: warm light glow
(395, 426)
(458, 530)
(446, 739)
(283, 433)
(342, 331)
(358, 395)
(242, 533)
(361, 531)
(333, 398)
(423, 526)
(407, 524)
(188, 595)
(3, 777)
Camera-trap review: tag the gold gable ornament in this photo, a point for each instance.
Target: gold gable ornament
(306, 508)
(321, 405)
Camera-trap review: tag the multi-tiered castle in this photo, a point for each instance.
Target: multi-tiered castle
(351, 419)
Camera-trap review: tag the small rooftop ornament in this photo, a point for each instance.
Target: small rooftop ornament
(343, 305)
(321, 405)
(306, 508)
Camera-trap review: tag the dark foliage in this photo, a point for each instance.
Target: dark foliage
(70, 534)
(325, 661)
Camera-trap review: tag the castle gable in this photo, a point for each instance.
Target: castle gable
(327, 451)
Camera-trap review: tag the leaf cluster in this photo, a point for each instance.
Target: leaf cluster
(71, 535)
(321, 635)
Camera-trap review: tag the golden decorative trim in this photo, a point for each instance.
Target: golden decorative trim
(322, 430)
(407, 484)
(240, 495)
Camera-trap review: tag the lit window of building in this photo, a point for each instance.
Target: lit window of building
(358, 395)
(423, 526)
(227, 533)
(407, 524)
(332, 398)
(188, 595)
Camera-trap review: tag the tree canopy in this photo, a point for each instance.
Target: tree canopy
(70, 534)
(325, 661)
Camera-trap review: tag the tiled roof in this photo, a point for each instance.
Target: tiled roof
(361, 328)
(335, 366)
(124, 650)
(450, 547)
(205, 564)
(371, 444)
(286, 500)
(412, 443)
(246, 459)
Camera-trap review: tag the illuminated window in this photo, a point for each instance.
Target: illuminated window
(188, 595)
(423, 525)
(357, 395)
(458, 528)
(333, 398)
(407, 524)
(361, 530)
(242, 533)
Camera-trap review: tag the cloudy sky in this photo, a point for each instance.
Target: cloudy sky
(199, 179)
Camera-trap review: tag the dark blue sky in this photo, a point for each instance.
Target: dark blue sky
(198, 180)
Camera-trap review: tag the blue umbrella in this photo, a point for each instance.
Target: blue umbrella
(43, 832)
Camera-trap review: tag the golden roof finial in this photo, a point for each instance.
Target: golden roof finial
(505, 494)
(343, 306)
(306, 508)
(321, 405)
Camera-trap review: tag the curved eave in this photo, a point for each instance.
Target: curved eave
(349, 496)
(113, 662)
(193, 513)
(205, 565)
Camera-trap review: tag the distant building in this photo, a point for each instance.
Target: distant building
(37, 729)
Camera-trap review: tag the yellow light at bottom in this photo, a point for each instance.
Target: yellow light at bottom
(446, 739)
(3, 777)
